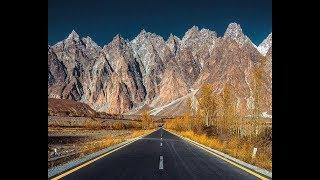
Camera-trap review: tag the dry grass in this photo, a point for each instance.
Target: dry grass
(97, 138)
(109, 141)
(237, 147)
(92, 123)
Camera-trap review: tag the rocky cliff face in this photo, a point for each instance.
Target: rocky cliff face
(124, 76)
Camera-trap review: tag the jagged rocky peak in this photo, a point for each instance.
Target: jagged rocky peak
(144, 34)
(173, 38)
(88, 41)
(195, 37)
(192, 32)
(72, 41)
(116, 41)
(233, 30)
(73, 36)
(173, 43)
(149, 44)
(91, 46)
(264, 47)
(118, 38)
(152, 71)
(207, 32)
(235, 33)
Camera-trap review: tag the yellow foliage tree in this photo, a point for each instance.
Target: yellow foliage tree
(258, 75)
(207, 103)
(258, 87)
(229, 122)
(146, 120)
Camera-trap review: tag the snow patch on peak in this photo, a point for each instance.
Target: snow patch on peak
(264, 47)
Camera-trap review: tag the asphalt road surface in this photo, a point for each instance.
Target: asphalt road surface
(154, 158)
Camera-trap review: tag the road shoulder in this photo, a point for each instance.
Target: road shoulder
(64, 169)
(254, 170)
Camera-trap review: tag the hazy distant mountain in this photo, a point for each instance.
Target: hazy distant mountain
(152, 73)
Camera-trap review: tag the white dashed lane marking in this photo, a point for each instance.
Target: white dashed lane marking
(161, 162)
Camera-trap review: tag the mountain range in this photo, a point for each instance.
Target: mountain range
(151, 73)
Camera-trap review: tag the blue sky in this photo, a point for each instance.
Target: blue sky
(102, 20)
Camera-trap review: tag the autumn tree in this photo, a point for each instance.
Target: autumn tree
(258, 75)
(207, 103)
(229, 121)
(191, 117)
(187, 121)
(257, 90)
(146, 120)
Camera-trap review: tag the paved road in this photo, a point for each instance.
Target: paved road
(142, 160)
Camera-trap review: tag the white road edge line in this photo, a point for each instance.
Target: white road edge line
(160, 144)
(161, 162)
(77, 167)
(223, 158)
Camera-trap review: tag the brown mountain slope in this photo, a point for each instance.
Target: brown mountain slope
(67, 107)
(149, 72)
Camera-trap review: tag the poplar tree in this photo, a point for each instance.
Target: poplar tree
(207, 103)
(229, 109)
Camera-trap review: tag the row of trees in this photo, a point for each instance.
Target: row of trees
(218, 110)
(217, 124)
(209, 106)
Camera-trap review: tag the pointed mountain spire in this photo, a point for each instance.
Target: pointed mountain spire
(73, 35)
(170, 36)
(264, 47)
(194, 28)
(173, 38)
(143, 31)
(233, 31)
(190, 33)
(90, 43)
(117, 40)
